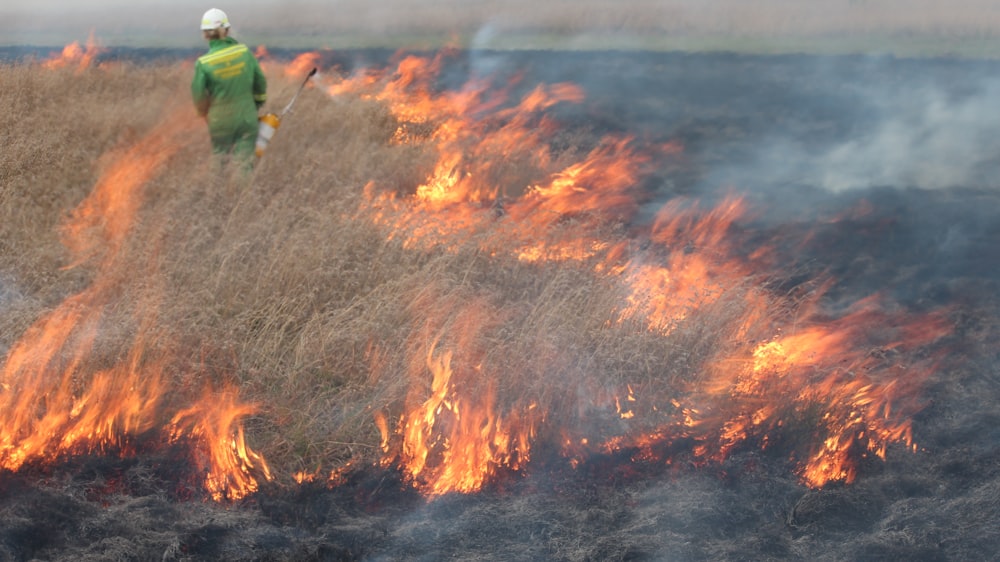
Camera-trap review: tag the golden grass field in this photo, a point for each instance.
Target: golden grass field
(350, 311)
(275, 283)
(745, 403)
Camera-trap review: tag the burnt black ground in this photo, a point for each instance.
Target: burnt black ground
(914, 143)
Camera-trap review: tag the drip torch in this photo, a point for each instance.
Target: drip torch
(269, 122)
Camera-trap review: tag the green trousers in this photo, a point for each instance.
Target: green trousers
(238, 147)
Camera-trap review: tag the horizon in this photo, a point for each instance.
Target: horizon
(966, 26)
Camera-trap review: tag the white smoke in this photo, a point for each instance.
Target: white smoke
(926, 138)
(926, 141)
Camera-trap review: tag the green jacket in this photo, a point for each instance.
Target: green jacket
(228, 88)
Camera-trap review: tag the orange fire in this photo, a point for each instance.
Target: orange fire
(867, 399)
(815, 375)
(60, 397)
(47, 413)
(454, 436)
(831, 388)
(477, 134)
(74, 54)
(836, 380)
(231, 468)
(687, 266)
(301, 65)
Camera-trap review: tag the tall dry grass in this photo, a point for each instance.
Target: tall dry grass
(56, 127)
(277, 283)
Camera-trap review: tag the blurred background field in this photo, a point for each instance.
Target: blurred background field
(907, 28)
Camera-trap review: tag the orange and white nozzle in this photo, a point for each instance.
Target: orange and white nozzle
(269, 122)
(267, 125)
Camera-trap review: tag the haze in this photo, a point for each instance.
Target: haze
(120, 22)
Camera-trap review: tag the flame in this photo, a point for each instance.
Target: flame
(231, 468)
(74, 54)
(831, 389)
(600, 184)
(866, 402)
(829, 381)
(695, 268)
(59, 397)
(812, 385)
(454, 438)
(476, 133)
(101, 222)
(44, 412)
(302, 64)
(469, 438)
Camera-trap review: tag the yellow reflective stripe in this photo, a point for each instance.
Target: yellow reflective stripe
(229, 71)
(209, 57)
(260, 97)
(227, 54)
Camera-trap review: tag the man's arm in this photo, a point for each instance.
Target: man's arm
(199, 90)
(259, 84)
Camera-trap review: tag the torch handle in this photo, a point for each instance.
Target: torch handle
(299, 91)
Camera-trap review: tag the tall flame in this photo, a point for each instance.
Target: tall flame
(47, 410)
(59, 396)
(454, 437)
(814, 375)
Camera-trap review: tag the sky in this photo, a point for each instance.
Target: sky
(119, 21)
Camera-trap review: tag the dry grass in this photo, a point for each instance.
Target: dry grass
(57, 126)
(275, 283)
(279, 284)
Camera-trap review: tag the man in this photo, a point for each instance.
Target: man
(228, 89)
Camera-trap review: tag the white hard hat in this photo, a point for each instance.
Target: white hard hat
(214, 19)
